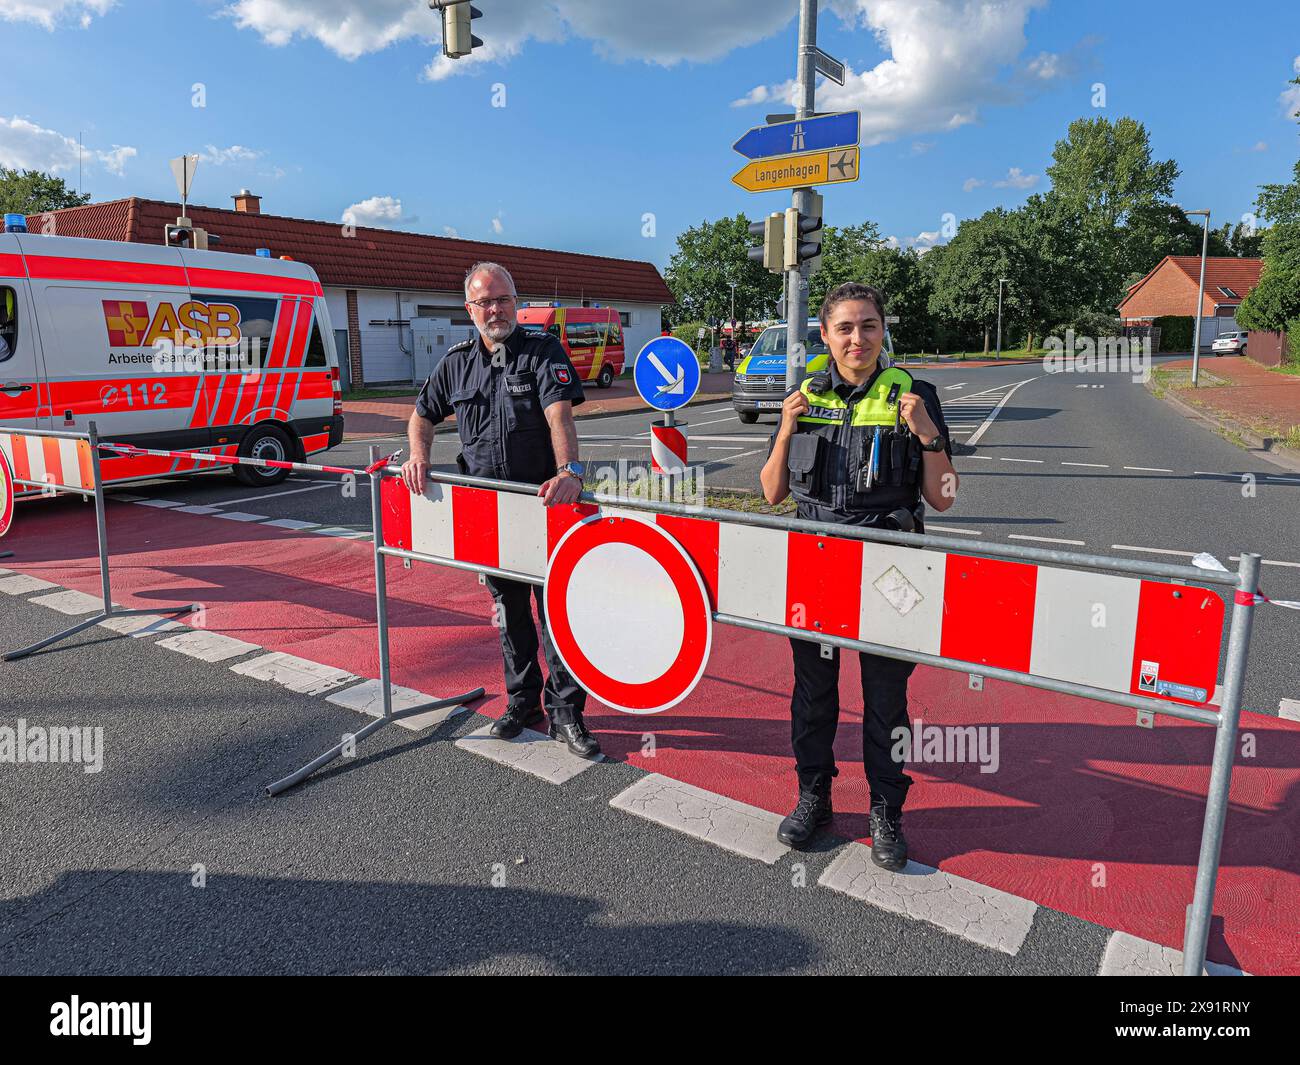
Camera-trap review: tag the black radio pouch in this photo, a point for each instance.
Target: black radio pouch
(805, 465)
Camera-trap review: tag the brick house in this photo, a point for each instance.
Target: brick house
(377, 280)
(1170, 289)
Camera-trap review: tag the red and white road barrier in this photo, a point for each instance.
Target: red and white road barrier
(54, 462)
(667, 448)
(1122, 634)
(7, 491)
(226, 460)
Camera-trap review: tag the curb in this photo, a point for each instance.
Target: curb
(1265, 447)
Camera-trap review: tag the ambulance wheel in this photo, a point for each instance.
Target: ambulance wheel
(606, 376)
(267, 442)
(747, 417)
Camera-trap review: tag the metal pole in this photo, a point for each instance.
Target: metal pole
(381, 585)
(796, 303)
(1200, 303)
(101, 527)
(1001, 281)
(1225, 749)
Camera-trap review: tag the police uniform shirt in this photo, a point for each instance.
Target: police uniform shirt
(882, 500)
(499, 409)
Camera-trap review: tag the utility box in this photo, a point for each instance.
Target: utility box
(430, 339)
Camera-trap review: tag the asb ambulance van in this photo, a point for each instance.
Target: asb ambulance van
(167, 348)
(592, 338)
(759, 384)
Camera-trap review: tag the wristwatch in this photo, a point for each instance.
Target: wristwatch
(937, 444)
(575, 468)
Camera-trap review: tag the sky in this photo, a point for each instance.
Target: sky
(605, 126)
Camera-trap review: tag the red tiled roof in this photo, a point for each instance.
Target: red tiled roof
(1240, 275)
(373, 258)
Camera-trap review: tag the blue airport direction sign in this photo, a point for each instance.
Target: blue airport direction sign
(667, 373)
(801, 135)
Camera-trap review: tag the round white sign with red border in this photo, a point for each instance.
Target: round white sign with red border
(6, 495)
(628, 613)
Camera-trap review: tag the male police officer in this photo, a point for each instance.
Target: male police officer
(513, 393)
(858, 444)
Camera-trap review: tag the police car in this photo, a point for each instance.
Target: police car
(759, 384)
(167, 348)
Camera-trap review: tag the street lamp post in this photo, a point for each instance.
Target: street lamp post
(1001, 281)
(1200, 300)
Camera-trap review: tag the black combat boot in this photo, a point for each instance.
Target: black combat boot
(888, 846)
(811, 812)
(574, 735)
(515, 720)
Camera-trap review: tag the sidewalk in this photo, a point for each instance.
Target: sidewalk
(387, 416)
(1264, 403)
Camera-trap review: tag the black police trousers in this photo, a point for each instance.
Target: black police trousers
(564, 700)
(815, 713)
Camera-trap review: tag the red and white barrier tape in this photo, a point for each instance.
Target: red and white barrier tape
(230, 460)
(1255, 598)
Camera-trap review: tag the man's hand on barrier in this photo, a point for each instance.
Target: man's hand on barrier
(413, 473)
(560, 489)
(796, 403)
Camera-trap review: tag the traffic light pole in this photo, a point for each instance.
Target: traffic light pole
(796, 281)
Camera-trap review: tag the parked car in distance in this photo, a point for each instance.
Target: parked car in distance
(1229, 343)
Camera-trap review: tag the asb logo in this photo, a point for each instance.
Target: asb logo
(130, 325)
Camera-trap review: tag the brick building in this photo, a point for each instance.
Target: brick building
(1170, 288)
(377, 280)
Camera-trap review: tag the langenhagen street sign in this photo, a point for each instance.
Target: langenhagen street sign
(798, 171)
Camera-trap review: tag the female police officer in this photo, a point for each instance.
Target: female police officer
(858, 444)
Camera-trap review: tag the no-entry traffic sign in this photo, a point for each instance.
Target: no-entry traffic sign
(628, 613)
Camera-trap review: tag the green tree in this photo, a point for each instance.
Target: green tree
(1104, 170)
(842, 249)
(906, 285)
(708, 258)
(33, 192)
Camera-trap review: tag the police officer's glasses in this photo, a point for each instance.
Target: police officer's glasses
(493, 301)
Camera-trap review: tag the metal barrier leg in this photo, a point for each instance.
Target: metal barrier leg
(1225, 749)
(385, 681)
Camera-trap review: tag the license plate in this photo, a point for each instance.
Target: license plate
(769, 404)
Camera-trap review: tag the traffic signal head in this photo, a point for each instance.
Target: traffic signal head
(803, 238)
(457, 40)
(772, 233)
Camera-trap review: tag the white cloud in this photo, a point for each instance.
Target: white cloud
(497, 227)
(664, 32)
(1290, 97)
(971, 183)
(27, 146)
(947, 59)
(379, 212)
(49, 13)
(757, 95)
(922, 242)
(1017, 179)
(921, 147)
(450, 231)
(236, 153)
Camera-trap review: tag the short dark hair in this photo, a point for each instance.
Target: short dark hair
(851, 290)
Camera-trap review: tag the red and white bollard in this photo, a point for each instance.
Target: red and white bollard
(667, 447)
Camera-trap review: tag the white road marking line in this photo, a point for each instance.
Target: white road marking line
(1045, 539)
(993, 415)
(289, 492)
(949, 388)
(137, 625)
(160, 503)
(979, 458)
(711, 448)
(1268, 562)
(1289, 709)
(734, 826)
(1148, 469)
(950, 529)
(1153, 550)
(342, 533)
(1279, 477)
(239, 515)
(22, 583)
(365, 699)
(717, 421)
(208, 646)
(297, 674)
(292, 523)
(70, 602)
(1127, 955)
(532, 752)
(196, 510)
(1039, 461)
(1091, 465)
(981, 914)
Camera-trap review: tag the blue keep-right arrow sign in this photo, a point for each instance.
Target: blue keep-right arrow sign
(801, 135)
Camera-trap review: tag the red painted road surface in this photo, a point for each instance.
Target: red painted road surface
(1086, 813)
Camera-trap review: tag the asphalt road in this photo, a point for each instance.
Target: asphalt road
(1085, 462)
